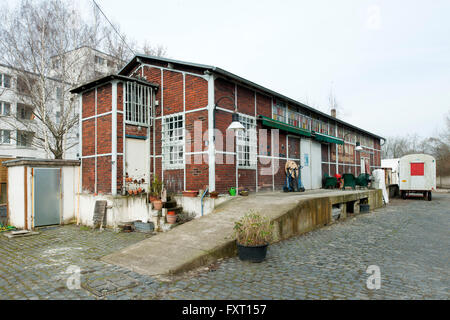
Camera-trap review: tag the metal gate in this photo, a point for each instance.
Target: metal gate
(47, 196)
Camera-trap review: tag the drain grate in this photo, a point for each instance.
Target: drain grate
(102, 286)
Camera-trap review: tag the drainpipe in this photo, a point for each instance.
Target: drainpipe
(203, 195)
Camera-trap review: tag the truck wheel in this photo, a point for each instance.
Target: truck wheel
(403, 195)
(429, 195)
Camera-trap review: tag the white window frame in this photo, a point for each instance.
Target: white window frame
(137, 99)
(2, 136)
(2, 80)
(99, 60)
(2, 108)
(246, 146)
(29, 136)
(173, 141)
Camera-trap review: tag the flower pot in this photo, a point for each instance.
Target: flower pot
(190, 193)
(171, 218)
(213, 195)
(252, 253)
(232, 191)
(157, 204)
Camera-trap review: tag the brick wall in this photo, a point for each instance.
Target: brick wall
(195, 96)
(172, 92)
(173, 89)
(103, 126)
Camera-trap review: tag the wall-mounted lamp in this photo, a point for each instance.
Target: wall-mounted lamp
(358, 146)
(235, 125)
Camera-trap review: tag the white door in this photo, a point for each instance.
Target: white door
(137, 159)
(363, 164)
(316, 165)
(305, 151)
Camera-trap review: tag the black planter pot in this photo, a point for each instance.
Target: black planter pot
(252, 253)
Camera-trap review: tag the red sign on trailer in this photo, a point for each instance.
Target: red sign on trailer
(417, 169)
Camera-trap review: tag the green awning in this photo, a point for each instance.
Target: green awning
(283, 126)
(326, 138)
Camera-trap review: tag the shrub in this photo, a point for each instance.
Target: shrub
(156, 187)
(253, 229)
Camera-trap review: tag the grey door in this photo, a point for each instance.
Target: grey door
(47, 196)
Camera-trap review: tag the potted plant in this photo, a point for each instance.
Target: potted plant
(190, 193)
(156, 189)
(213, 194)
(253, 233)
(171, 217)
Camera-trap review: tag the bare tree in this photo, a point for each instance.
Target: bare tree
(156, 50)
(31, 36)
(438, 146)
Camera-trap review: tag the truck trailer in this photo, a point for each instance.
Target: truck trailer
(417, 174)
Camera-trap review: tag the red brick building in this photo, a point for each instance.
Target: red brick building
(164, 109)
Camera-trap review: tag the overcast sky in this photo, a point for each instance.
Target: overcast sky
(387, 61)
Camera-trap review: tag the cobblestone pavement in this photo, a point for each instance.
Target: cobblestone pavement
(408, 240)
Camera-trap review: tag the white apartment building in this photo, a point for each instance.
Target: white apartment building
(17, 136)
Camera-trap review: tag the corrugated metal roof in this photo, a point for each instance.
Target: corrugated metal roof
(230, 75)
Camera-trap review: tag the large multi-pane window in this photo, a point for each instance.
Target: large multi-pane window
(137, 103)
(173, 141)
(5, 108)
(279, 111)
(246, 142)
(5, 136)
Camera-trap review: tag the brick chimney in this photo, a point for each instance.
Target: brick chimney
(333, 113)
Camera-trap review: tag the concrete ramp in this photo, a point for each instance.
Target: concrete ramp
(206, 239)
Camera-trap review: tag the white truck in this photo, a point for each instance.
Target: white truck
(417, 174)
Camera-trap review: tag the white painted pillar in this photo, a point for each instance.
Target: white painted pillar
(211, 143)
(114, 139)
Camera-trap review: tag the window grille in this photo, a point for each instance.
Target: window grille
(246, 143)
(173, 141)
(137, 103)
